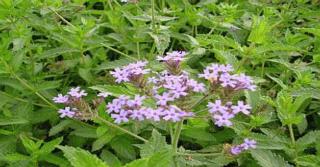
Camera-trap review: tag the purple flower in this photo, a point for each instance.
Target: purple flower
(241, 107)
(217, 107)
(61, 99)
(176, 56)
(223, 120)
(249, 144)
(172, 116)
(163, 99)
(178, 92)
(77, 92)
(227, 80)
(136, 102)
(120, 75)
(236, 150)
(104, 94)
(131, 72)
(152, 115)
(121, 117)
(67, 112)
(195, 86)
(138, 114)
(244, 82)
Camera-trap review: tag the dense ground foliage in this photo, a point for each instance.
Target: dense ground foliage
(51, 47)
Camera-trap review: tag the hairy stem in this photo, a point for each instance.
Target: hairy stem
(199, 154)
(153, 15)
(176, 136)
(291, 134)
(120, 129)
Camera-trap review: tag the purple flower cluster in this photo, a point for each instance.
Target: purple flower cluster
(72, 96)
(223, 113)
(176, 85)
(246, 145)
(173, 59)
(131, 72)
(221, 74)
(122, 109)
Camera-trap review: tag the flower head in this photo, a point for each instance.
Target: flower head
(77, 92)
(104, 94)
(131, 72)
(61, 99)
(246, 145)
(67, 112)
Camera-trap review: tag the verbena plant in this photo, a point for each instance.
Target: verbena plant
(165, 98)
(50, 47)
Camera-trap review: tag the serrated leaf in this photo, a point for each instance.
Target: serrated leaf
(59, 127)
(308, 161)
(110, 158)
(266, 158)
(156, 143)
(48, 147)
(85, 74)
(102, 140)
(123, 147)
(308, 139)
(81, 158)
(160, 159)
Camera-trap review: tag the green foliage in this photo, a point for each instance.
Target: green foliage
(267, 158)
(49, 46)
(79, 157)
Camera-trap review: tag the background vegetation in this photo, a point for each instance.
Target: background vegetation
(47, 47)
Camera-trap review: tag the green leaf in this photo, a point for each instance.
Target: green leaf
(123, 147)
(81, 158)
(59, 127)
(15, 157)
(56, 52)
(160, 159)
(12, 121)
(156, 143)
(308, 161)
(48, 147)
(110, 158)
(85, 74)
(266, 158)
(308, 139)
(114, 90)
(54, 159)
(259, 31)
(161, 40)
(30, 145)
(138, 163)
(113, 64)
(102, 140)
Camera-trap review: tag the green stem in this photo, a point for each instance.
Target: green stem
(24, 83)
(199, 101)
(199, 154)
(110, 4)
(121, 129)
(25, 101)
(62, 18)
(176, 136)
(138, 50)
(291, 134)
(153, 15)
(117, 51)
